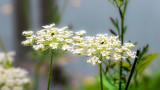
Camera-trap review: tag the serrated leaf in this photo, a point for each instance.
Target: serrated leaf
(145, 61)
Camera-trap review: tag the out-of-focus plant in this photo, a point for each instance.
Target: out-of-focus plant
(125, 65)
(11, 78)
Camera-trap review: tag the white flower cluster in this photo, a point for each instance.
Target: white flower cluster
(49, 37)
(109, 47)
(9, 56)
(13, 79)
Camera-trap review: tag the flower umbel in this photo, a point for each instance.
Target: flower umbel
(49, 37)
(108, 46)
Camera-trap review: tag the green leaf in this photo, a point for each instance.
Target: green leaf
(144, 51)
(114, 33)
(145, 61)
(106, 83)
(113, 22)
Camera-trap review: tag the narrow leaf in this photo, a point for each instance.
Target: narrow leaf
(114, 33)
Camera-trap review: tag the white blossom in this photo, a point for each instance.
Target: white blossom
(27, 33)
(50, 37)
(13, 78)
(94, 60)
(80, 33)
(67, 47)
(109, 47)
(10, 57)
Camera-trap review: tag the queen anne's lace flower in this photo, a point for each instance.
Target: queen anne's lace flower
(81, 33)
(94, 60)
(13, 79)
(109, 47)
(49, 37)
(9, 56)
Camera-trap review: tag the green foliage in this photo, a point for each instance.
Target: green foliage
(145, 61)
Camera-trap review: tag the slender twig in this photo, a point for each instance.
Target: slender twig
(132, 71)
(50, 71)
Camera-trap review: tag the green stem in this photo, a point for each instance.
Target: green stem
(101, 78)
(6, 64)
(50, 71)
(132, 71)
(100, 73)
(122, 34)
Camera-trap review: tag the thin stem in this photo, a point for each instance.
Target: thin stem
(132, 71)
(6, 63)
(50, 71)
(122, 34)
(100, 73)
(101, 78)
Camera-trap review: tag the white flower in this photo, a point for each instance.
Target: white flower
(78, 51)
(38, 47)
(69, 41)
(91, 51)
(49, 37)
(54, 45)
(67, 48)
(27, 33)
(49, 26)
(129, 45)
(81, 33)
(10, 56)
(77, 39)
(117, 56)
(108, 46)
(130, 54)
(94, 60)
(13, 78)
